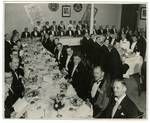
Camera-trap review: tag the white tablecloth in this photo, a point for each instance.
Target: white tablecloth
(43, 76)
(135, 64)
(70, 41)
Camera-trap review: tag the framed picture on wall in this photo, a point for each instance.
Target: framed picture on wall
(143, 13)
(66, 11)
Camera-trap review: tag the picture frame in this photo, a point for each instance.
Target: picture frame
(143, 13)
(66, 11)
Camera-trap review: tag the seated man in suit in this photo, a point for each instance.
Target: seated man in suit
(47, 26)
(79, 25)
(8, 50)
(121, 106)
(124, 43)
(70, 25)
(113, 39)
(114, 63)
(35, 34)
(56, 41)
(61, 29)
(99, 97)
(53, 31)
(113, 30)
(44, 31)
(48, 43)
(134, 47)
(106, 30)
(70, 32)
(54, 26)
(78, 32)
(25, 34)
(17, 88)
(59, 53)
(74, 25)
(38, 25)
(67, 59)
(85, 28)
(100, 30)
(84, 44)
(8, 81)
(77, 74)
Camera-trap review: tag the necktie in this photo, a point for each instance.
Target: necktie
(115, 107)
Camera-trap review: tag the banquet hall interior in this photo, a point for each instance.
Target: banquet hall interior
(67, 60)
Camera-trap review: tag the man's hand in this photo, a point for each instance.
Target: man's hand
(100, 91)
(88, 103)
(70, 80)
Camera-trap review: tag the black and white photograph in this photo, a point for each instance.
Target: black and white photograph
(75, 60)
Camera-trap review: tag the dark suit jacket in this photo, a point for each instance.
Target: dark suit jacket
(141, 46)
(63, 53)
(115, 64)
(83, 31)
(47, 29)
(113, 31)
(8, 48)
(105, 31)
(54, 27)
(84, 44)
(59, 33)
(42, 32)
(23, 35)
(18, 90)
(91, 50)
(49, 45)
(99, 31)
(67, 33)
(100, 101)
(34, 36)
(17, 85)
(79, 79)
(60, 28)
(77, 33)
(55, 33)
(63, 61)
(127, 109)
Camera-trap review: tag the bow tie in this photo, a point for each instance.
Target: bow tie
(116, 99)
(98, 81)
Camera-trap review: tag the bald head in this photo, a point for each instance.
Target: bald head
(98, 73)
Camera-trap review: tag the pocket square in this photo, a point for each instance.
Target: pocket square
(122, 114)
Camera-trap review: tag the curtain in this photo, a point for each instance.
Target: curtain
(129, 15)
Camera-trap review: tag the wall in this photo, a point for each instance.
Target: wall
(16, 18)
(141, 23)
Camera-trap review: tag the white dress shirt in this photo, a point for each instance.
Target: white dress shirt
(67, 61)
(59, 53)
(124, 44)
(9, 41)
(70, 26)
(61, 33)
(70, 33)
(118, 101)
(74, 68)
(133, 46)
(112, 41)
(26, 33)
(79, 32)
(35, 33)
(52, 32)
